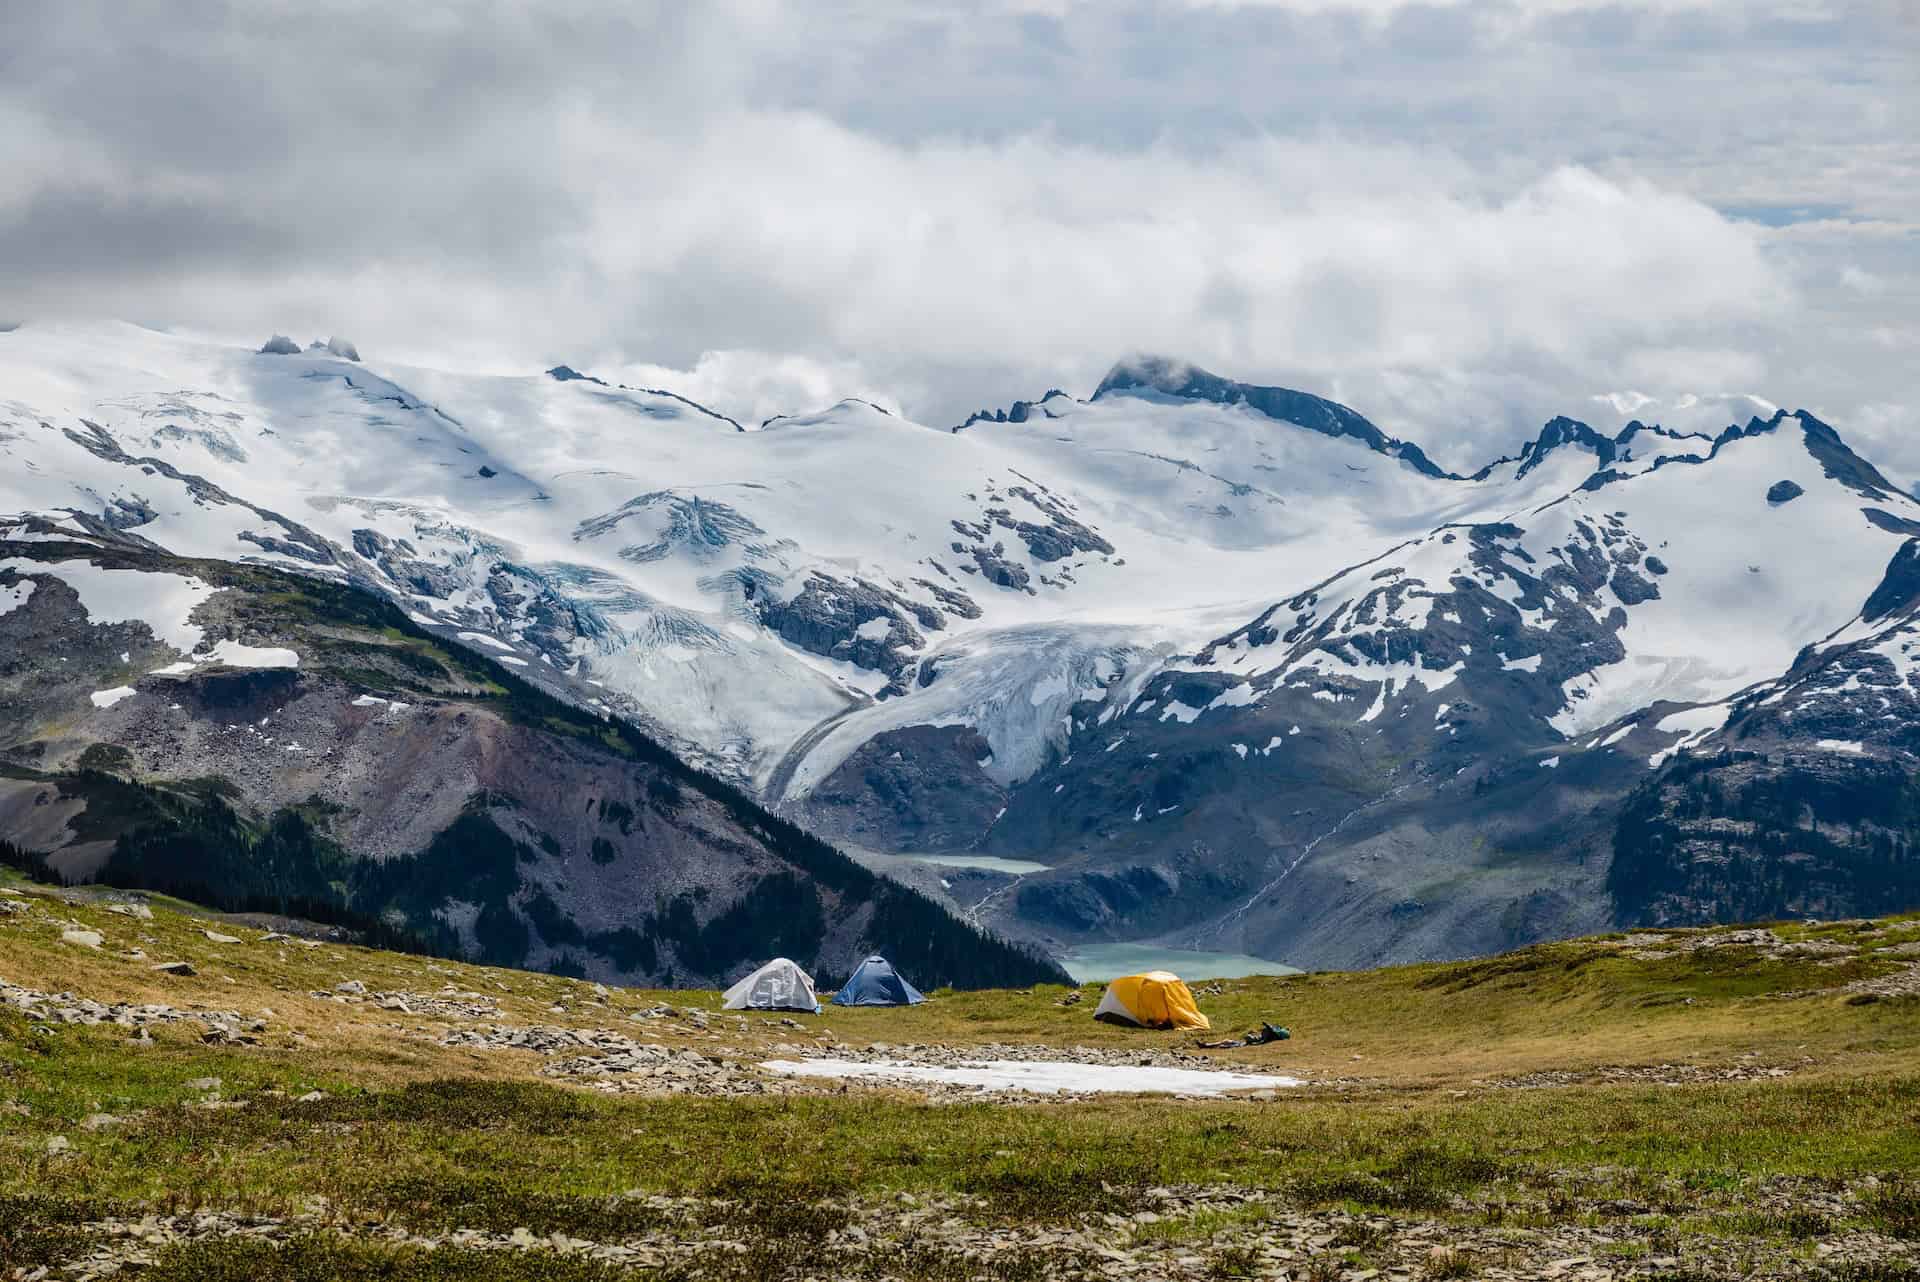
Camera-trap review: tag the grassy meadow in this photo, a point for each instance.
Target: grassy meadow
(1753, 1094)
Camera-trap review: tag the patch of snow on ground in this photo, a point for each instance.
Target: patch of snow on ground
(481, 638)
(1040, 1077)
(518, 663)
(1240, 748)
(12, 598)
(107, 698)
(875, 629)
(1185, 715)
(1551, 763)
(161, 601)
(1695, 723)
(1849, 746)
(236, 655)
(1240, 696)
(369, 701)
(1529, 664)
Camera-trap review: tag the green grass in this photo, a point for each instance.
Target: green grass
(548, 1157)
(416, 1135)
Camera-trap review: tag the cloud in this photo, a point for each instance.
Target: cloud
(1461, 219)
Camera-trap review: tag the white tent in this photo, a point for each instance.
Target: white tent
(778, 985)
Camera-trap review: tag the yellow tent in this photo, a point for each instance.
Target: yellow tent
(1156, 999)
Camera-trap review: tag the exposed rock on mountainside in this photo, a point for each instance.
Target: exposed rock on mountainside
(263, 742)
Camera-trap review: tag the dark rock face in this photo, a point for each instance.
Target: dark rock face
(553, 622)
(834, 617)
(1748, 836)
(1061, 536)
(1837, 459)
(127, 513)
(1097, 900)
(1783, 492)
(279, 345)
(992, 565)
(1565, 431)
(1899, 588)
(920, 788)
(1018, 412)
(398, 560)
(1633, 588)
(953, 602)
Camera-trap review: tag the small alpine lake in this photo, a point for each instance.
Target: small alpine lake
(1095, 963)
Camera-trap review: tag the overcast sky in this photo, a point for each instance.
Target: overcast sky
(1460, 218)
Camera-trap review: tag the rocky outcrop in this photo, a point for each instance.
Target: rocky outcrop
(336, 346)
(404, 567)
(848, 619)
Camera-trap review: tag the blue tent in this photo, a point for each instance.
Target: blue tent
(876, 983)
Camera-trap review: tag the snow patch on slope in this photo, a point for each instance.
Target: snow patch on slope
(161, 601)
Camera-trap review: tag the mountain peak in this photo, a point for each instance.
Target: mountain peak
(1303, 409)
(1561, 431)
(1150, 372)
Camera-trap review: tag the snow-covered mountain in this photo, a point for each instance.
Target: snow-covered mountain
(1238, 667)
